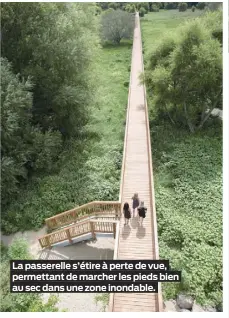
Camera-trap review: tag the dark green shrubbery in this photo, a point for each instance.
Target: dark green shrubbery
(20, 302)
(154, 8)
(117, 25)
(142, 12)
(201, 5)
(182, 6)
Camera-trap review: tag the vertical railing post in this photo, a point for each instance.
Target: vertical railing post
(116, 212)
(69, 236)
(92, 230)
(114, 230)
(48, 242)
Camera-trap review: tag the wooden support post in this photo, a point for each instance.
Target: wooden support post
(92, 230)
(69, 236)
(48, 242)
(116, 212)
(114, 229)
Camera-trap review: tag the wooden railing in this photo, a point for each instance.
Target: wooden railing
(152, 194)
(95, 208)
(76, 230)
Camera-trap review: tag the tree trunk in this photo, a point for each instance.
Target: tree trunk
(190, 125)
(167, 112)
(204, 116)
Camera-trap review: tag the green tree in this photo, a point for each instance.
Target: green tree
(186, 98)
(55, 44)
(201, 5)
(182, 6)
(130, 8)
(142, 12)
(170, 5)
(117, 25)
(213, 6)
(24, 147)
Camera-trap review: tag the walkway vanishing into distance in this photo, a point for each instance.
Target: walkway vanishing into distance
(137, 242)
(132, 242)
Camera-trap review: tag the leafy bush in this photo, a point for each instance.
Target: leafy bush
(144, 5)
(192, 189)
(19, 249)
(117, 25)
(182, 6)
(213, 6)
(142, 12)
(25, 148)
(130, 8)
(89, 166)
(98, 10)
(173, 81)
(193, 8)
(20, 302)
(201, 5)
(170, 5)
(155, 8)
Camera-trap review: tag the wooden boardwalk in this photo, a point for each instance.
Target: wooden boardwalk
(137, 242)
(132, 242)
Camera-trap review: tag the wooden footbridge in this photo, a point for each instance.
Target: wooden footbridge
(133, 241)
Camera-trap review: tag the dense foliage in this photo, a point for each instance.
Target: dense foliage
(187, 167)
(20, 302)
(188, 99)
(188, 184)
(48, 82)
(182, 6)
(89, 167)
(116, 25)
(24, 147)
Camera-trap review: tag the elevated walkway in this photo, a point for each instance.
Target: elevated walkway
(132, 242)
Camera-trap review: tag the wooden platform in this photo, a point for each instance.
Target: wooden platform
(136, 242)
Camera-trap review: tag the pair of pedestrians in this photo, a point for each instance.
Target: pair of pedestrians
(136, 204)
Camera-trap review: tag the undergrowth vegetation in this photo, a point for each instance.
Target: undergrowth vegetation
(20, 302)
(89, 167)
(188, 188)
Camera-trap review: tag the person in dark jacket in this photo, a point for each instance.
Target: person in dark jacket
(141, 212)
(126, 212)
(135, 202)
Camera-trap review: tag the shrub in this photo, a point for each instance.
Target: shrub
(117, 25)
(98, 10)
(170, 5)
(154, 8)
(201, 5)
(20, 302)
(130, 8)
(142, 12)
(182, 6)
(19, 249)
(213, 6)
(193, 8)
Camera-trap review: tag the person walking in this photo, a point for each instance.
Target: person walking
(135, 202)
(126, 212)
(141, 212)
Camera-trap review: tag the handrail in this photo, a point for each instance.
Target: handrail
(76, 230)
(152, 196)
(73, 215)
(111, 297)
